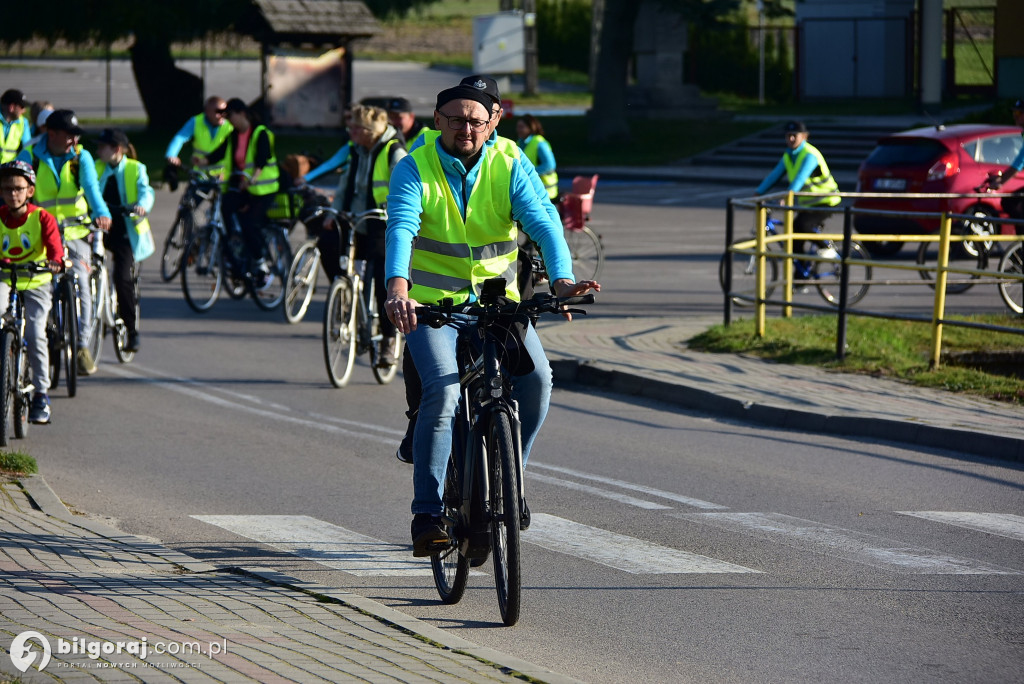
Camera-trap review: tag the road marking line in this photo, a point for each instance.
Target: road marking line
(597, 491)
(327, 544)
(689, 501)
(854, 546)
(201, 390)
(619, 551)
(1000, 524)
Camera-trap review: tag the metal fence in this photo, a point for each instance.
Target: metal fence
(757, 248)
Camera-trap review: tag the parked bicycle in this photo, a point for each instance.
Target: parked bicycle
(824, 275)
(351, 319)
(585, 246)
(62, 330)
(484, 489)
(1012, 289)
(215, 259)
(201, 188)
(105, 316)
(15, 386)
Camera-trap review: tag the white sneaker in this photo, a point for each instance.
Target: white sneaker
(828, 253)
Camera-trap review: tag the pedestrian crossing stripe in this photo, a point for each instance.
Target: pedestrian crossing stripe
(1001, 524)
(858, 547)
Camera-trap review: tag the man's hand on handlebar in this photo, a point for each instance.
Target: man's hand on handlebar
(566, 288)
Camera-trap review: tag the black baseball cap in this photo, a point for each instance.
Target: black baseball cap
(14, 96)
(461, 92)
(64, 120)
(795, 127)
(399, 104)
(485, 84)
(236, 104)
(114, 136)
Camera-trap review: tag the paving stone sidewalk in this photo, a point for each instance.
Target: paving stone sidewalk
(72, 579)
(648, 357)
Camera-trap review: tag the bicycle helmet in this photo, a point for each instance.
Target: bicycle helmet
(19, 168)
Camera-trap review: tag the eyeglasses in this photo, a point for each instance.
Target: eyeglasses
(14, 188)
(222, 110)
(458, 123)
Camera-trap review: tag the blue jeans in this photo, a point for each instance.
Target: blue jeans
(433, 351)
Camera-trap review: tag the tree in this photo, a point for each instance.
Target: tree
(607, 120)
(170, 95)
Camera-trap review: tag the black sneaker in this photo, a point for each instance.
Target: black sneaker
(477, 562)
(132, 344)
(524, 521)
(404, 453)
(428, 535)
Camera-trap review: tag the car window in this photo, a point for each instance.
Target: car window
(905, 152)
(972, 149)
(999, 149)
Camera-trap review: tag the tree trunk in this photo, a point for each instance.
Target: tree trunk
(607, 118)
(169, 94)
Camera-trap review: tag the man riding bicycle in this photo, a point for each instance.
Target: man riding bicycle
(452, 213)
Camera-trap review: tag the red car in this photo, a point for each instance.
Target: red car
(939, 159)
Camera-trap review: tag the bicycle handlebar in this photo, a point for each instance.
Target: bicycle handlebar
(438, 315)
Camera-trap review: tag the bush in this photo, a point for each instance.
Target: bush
(563, 34)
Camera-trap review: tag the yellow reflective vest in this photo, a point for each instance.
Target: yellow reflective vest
(25, 244)
(11, 143)
(823, 182)
(550, 180)
(267, 182)
(452, 256)
(203, 143)
(131, 193)
(63, 197)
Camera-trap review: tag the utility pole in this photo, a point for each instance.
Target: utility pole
(530, 76)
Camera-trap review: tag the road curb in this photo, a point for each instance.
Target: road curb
(592, 374)
(47, 501)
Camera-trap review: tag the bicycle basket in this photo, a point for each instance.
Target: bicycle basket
(570, 209)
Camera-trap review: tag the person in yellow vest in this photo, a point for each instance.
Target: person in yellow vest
(253, 178)
(207, 131)
(67, 187)
(806, 171)
(30, 234)
(15, 127)
(126, 191)
(401, 116)
(453, 209)
(538, 150)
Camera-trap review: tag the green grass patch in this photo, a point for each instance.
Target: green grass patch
(18, 462)
(879, 347)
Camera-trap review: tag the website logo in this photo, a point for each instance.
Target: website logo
(22, 653)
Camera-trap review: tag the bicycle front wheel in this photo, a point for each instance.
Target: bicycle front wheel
(1012, 291)
(828, 273)
(202, 271)
(587, 253)
(68, 333)
(450, 568)
(174, 246)
(98, 284)
(956, 283)
(504, 480)
(21, 398)
(301, 282)
(340, 331)
(7, 391)
(277, 254)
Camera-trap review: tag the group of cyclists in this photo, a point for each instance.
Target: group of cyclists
(58, 199)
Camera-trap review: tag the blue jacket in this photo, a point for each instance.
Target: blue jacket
(146, 194)
(86, 174)
(803, 174)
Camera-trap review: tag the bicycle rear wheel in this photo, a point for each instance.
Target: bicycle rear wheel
(340, 331)
(7, 379)
(744, 276)
(301, 282)
(959, 257)
(504, 496)
(202, 270)
(68, 334)
(1012, 291)
(277, 254)
(587, 253)
(828, 273)
(383, 374)
(450, 568)
(174, 246)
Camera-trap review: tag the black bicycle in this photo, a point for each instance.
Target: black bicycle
(484, 498)
(62, 330)
(201, 188)
(15, 387)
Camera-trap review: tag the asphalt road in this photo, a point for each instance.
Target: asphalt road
(667, 545)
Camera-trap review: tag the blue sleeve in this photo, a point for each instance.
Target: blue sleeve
(91, 185)
(182, 137)
(24, 156)
(529, 210)
(405, 204)
(545, 158)
(772, 178)
(26, 133)
(1018, 161)
(338, 159)
(804, 173)
(538, 187)
(146, 195)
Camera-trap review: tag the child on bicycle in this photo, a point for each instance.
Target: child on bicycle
(30, 234)
(126, 190)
